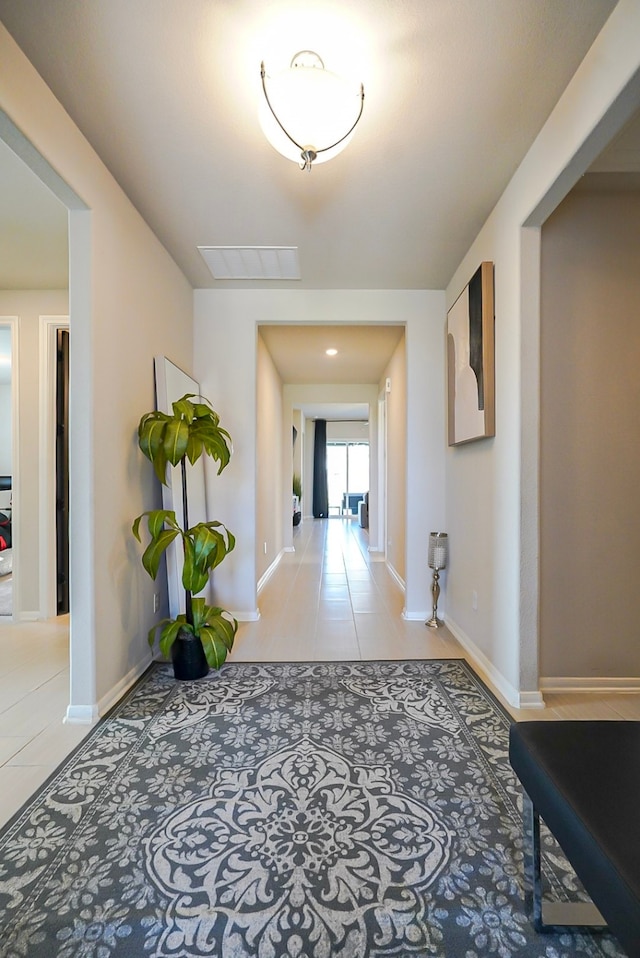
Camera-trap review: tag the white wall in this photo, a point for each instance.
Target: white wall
(225, 360)
(396, 472)
(348, 431)
(6, 467)
(590, 440)
(128, 302)
(492, 485)
(29, 306)
(270, 480)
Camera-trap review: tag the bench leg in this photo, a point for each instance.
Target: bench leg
(557, 915)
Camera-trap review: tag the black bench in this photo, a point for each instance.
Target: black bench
(583, 780)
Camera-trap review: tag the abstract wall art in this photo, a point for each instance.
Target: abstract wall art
(470, 360)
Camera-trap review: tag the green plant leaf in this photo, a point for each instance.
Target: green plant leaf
(204, 411)
(217, 448)
(169, 634)
(199, 611)
(194, 576)
(158, 518)
(135, 528)
(207, 545)
(214, 648)
(185, 408)
(165, 625)
(223, 624)
(155, 550)
(194, 448)
(151, 434)
(176, 437)
(159, 535)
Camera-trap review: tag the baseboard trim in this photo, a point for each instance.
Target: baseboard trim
(253, 615)
(396, 575)
(262, 581)
(589, 684)
(30, 617)
(122, 687)
(81, 715)
(488, 671)
(416, 616)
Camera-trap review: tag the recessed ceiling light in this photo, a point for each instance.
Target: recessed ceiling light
(332, 352)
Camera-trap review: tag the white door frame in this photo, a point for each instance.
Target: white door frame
(49, 326)
(382, 475)
(14, 325)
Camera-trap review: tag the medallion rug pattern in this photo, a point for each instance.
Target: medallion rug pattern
(322, 810)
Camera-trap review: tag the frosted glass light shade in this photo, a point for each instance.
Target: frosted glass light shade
(318, 109)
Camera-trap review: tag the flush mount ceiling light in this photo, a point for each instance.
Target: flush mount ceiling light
(331, 352)
(309, 114)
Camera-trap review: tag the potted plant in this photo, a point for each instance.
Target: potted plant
(202, 636)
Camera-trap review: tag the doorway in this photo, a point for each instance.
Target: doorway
(347, 476)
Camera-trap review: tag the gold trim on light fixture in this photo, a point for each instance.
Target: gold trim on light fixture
(307, 98)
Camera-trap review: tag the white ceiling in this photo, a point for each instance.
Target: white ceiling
(455, 93)
(299, 352)
(167, 93)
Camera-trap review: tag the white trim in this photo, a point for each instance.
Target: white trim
(122, 687)
(81, 715)
(13, 322)
(82, 428)
(250, 616)
(262, 581)
(381, 545)
(514, 697)
(396, 575)
(416, 616)
(88, 714)
(589, 684)
(47, 449)
(30, 616)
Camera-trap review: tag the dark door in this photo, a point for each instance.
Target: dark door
(62, 471)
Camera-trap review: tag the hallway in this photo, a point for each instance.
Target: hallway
(330, 599)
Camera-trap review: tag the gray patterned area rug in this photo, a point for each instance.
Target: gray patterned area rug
(325, 810)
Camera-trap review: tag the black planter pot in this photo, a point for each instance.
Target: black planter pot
(187, 655)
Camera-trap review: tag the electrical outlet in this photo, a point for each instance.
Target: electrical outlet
(156, 601)
(474, 600)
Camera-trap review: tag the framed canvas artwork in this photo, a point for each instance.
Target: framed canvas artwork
(470, 360)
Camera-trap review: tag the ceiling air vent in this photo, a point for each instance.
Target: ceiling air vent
(252, 262)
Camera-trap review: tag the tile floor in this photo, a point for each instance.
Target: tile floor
(330, 599)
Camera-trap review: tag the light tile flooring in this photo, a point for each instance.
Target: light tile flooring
(330, 599)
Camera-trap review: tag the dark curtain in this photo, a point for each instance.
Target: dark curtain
(320, 493)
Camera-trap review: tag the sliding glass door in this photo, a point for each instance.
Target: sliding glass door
(347, 475)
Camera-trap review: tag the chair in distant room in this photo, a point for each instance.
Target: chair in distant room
(363, 511)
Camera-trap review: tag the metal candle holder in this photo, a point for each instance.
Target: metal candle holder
(438, 556)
